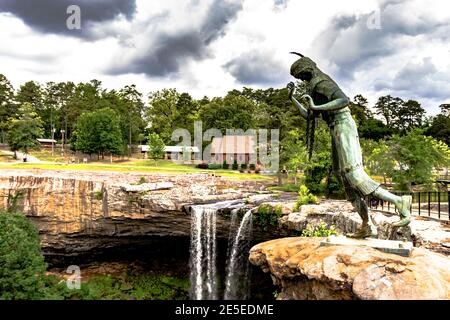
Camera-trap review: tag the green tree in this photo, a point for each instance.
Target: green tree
(374, 129)
(416, 156)
(360, 110)
(409, 115)
(24, 130)
(156, 146)
(132, 122)
(169, 110)
(7, 105)
(98, 132)
(22, 264)
(294, 150)
(440, 125)
(387, 107)
(377, 158)
(320, 165)
(231, 112)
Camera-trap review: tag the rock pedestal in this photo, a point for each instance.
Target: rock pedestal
(402, 248)
(305, 270)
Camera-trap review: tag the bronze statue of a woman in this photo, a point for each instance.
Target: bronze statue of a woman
(326, 98)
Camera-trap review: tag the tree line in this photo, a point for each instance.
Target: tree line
(95, 120)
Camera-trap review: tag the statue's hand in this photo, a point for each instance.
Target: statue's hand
(291, 87)
(309, 101)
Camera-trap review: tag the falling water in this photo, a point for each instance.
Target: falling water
(203, 254)
(203, 258)
(238, 269)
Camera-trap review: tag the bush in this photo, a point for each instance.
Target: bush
(213, 166)
(252, 166)
(22, 264)
(202, 166)
(319, 231)
(98, 195)
(305, 197)
(243, 166)
(267, 216)
(235, 165)
(142, 180)
(225, 165)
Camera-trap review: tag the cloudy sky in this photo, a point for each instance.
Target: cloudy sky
(207, 47)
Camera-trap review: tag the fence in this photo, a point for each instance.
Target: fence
(433, 204)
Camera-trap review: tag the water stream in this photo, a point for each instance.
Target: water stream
(204, 277)
(237, 281)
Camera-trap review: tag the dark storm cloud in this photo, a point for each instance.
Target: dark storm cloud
(49, 16)
(257, 68)
(168, 51)
(351, 45)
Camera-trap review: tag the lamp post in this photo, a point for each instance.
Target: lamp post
(53, 140)
(62, 135)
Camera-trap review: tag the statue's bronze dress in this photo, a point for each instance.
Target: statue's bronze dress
(347, 158)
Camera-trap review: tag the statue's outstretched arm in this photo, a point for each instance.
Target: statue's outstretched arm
(301, 108)
(336, 104)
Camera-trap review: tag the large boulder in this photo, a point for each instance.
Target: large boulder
(307, 271)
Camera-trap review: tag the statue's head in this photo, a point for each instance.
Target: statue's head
(303, 68)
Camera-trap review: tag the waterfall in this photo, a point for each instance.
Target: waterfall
(203, 254)
(237, 279)
(203, 259)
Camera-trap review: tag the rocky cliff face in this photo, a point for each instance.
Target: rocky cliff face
(76, 212)
(307, 271)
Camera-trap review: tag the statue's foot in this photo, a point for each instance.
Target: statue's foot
(362, 233)
(404, 210)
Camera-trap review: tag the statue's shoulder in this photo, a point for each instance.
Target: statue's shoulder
(325, 86)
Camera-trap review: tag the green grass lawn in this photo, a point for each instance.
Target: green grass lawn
(148, 166)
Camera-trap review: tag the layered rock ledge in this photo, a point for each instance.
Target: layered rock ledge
(79, 211)
(306, 271)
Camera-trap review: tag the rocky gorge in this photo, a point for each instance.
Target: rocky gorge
(83, 215)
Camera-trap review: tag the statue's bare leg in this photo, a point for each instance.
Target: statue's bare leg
(403, 205)
(361, 207)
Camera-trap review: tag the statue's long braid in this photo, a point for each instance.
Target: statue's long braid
(310, 131)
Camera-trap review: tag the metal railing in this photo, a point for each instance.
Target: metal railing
(433, 204)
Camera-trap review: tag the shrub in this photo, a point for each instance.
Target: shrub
(305, 197)
(213, 166)
(235, 165)
(98, 195)
(267, 216)
(22, 264)
(202, 166)
(244, 166)
(319, 231)
(252, 166)
(142, 180)
(225, 165)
